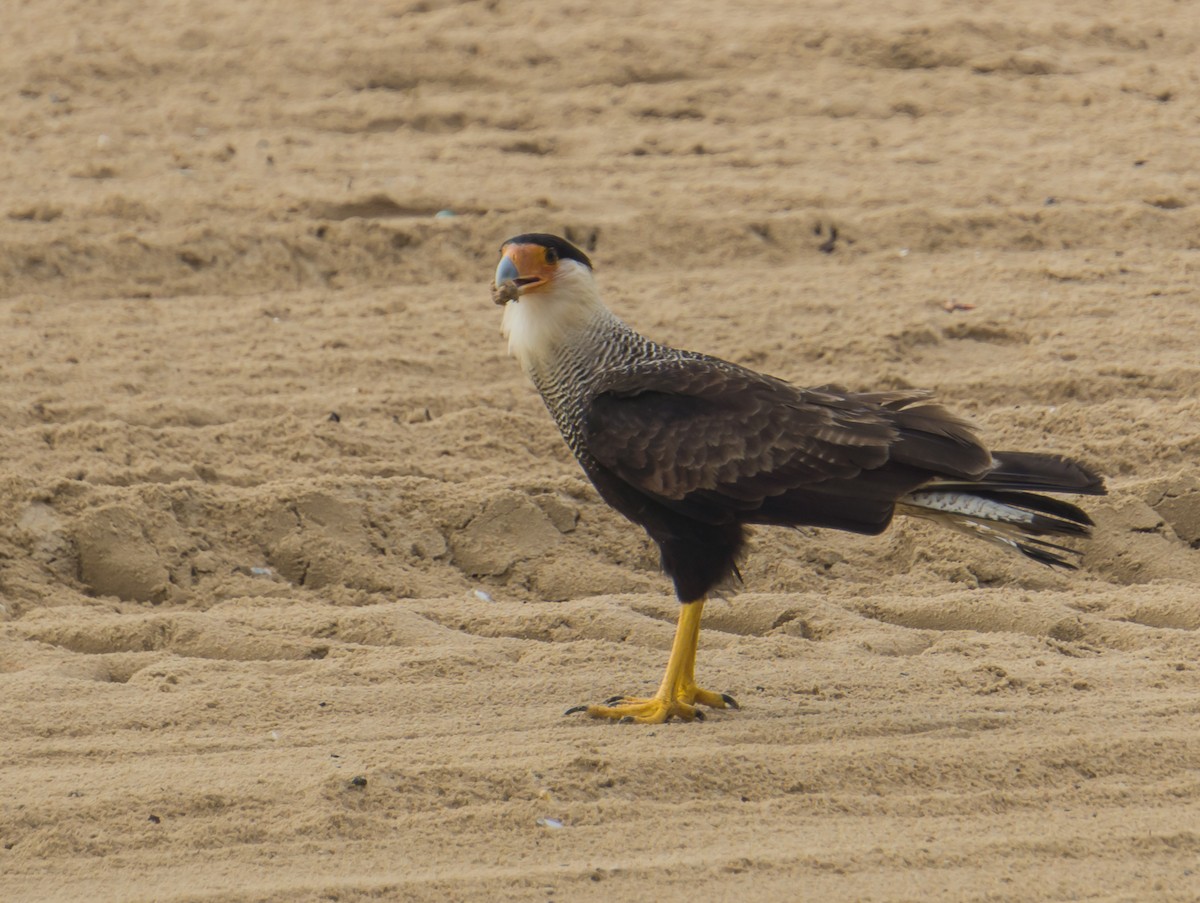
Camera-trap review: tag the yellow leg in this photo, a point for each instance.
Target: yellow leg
(678, 694)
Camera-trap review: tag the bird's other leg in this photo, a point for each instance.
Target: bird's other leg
(677, 695)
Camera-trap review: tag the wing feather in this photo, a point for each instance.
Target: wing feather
(712, 433)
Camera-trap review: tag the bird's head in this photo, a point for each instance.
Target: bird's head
(546, 287)
(537, 262)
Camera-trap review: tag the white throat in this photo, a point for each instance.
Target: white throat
(542, 323)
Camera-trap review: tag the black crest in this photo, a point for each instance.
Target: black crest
(560, 246)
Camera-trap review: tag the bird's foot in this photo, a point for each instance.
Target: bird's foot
(659, 708)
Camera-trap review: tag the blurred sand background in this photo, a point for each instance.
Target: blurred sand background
(250, 650)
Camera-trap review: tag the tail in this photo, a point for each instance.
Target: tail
(1002, 508)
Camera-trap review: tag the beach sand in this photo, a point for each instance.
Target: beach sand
(298, 576)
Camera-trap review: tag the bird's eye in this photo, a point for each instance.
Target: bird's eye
(551, 255)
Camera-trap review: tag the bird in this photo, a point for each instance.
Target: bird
(695, 449)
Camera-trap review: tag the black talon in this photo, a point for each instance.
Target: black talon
(730, 701)
(613, 700)
(628, 719)
(575, 709)
(700, 716)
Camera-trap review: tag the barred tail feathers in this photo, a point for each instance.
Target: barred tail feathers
(1000, 507)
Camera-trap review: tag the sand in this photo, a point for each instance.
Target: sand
(298, 578)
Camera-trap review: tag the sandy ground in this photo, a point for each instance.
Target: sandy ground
(251, 650)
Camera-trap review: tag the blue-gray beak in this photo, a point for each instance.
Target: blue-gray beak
(506, 271)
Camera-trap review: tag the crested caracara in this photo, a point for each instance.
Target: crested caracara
(693, 448)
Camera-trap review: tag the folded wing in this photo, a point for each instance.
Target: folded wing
(721, 443)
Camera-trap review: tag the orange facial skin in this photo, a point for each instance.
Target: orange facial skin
(527, 267)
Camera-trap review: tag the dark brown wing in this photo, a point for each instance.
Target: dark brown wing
(706, 437)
